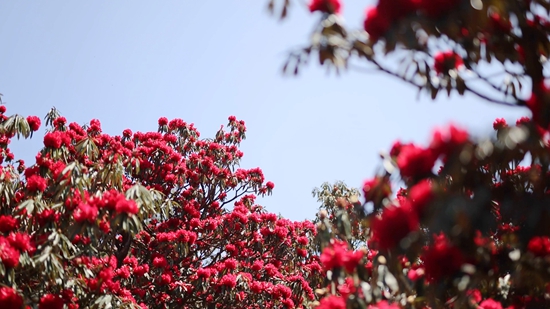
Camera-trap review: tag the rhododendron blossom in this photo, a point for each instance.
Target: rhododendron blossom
(394, 224)
(144, 219)
(325, 6)
(484, 198)
(445, 61)
(9, 298)
(34, 122)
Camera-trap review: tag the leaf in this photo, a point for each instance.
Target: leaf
(103, 302)
(28, 205)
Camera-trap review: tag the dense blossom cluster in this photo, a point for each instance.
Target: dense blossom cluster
(144, 220)
(468, 230)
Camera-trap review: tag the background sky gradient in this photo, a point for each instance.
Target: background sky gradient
(128, 63)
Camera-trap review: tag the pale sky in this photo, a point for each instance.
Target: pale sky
(127, 63)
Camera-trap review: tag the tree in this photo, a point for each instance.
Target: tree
(143, 220)
(468, 227)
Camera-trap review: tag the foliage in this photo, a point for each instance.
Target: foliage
(143, 220)
(440, 45)
(468, 227)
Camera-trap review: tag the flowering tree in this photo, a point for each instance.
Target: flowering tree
(143, 220)
(468, 227)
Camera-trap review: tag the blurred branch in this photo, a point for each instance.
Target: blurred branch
(492, 100)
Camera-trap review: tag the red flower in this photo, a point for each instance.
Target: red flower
(95, 125)
(85, 212)
(8, 254)
(376, 189)
(490, 304)
(499, 24)
(475, 295)
(126, 206)
(229, 280)
(442, 259)
(333, 256)
(48, 216)
(53, 140)
(127, 133)
(36, 183)
(257, 265)
(2, 109)
(446, 61)
(338, 255)
(50, 301)
(270, 185)
(414, 161)
(9, 298)
(34, 122)
(325, 6)
(539, 245)
(352, 260)
(203, 273)
(231, 264)
(376, 24)
(22, 242)
(141, 270)
(415, 274)
(59, 122)
(8, 223)
(160, 262)
(163, 121)
(499, 123)
(332, 302)
(539, 104)
(420, 196)
(394, 224)
(166, 278)
(447, 140)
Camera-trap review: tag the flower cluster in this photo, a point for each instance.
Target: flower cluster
(143, 219)
(468, 233)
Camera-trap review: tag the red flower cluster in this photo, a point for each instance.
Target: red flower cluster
(50, 301)
(36, 183)
(8, 223)
(56, 139)
(34, 122)
(442, 259)
(9, 298)
(539, 105)
(416, 162)
(82, 197)
(9, 255)
(325, 6)
(85, 212)
(394, 224)
(446, 61)
(332, 302)
(539, 246)
(376, 189)
(338, 255)
(379, 19)
(490, 304)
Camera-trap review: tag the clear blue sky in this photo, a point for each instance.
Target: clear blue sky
(128, 63)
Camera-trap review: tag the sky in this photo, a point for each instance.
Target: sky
(127, 63)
